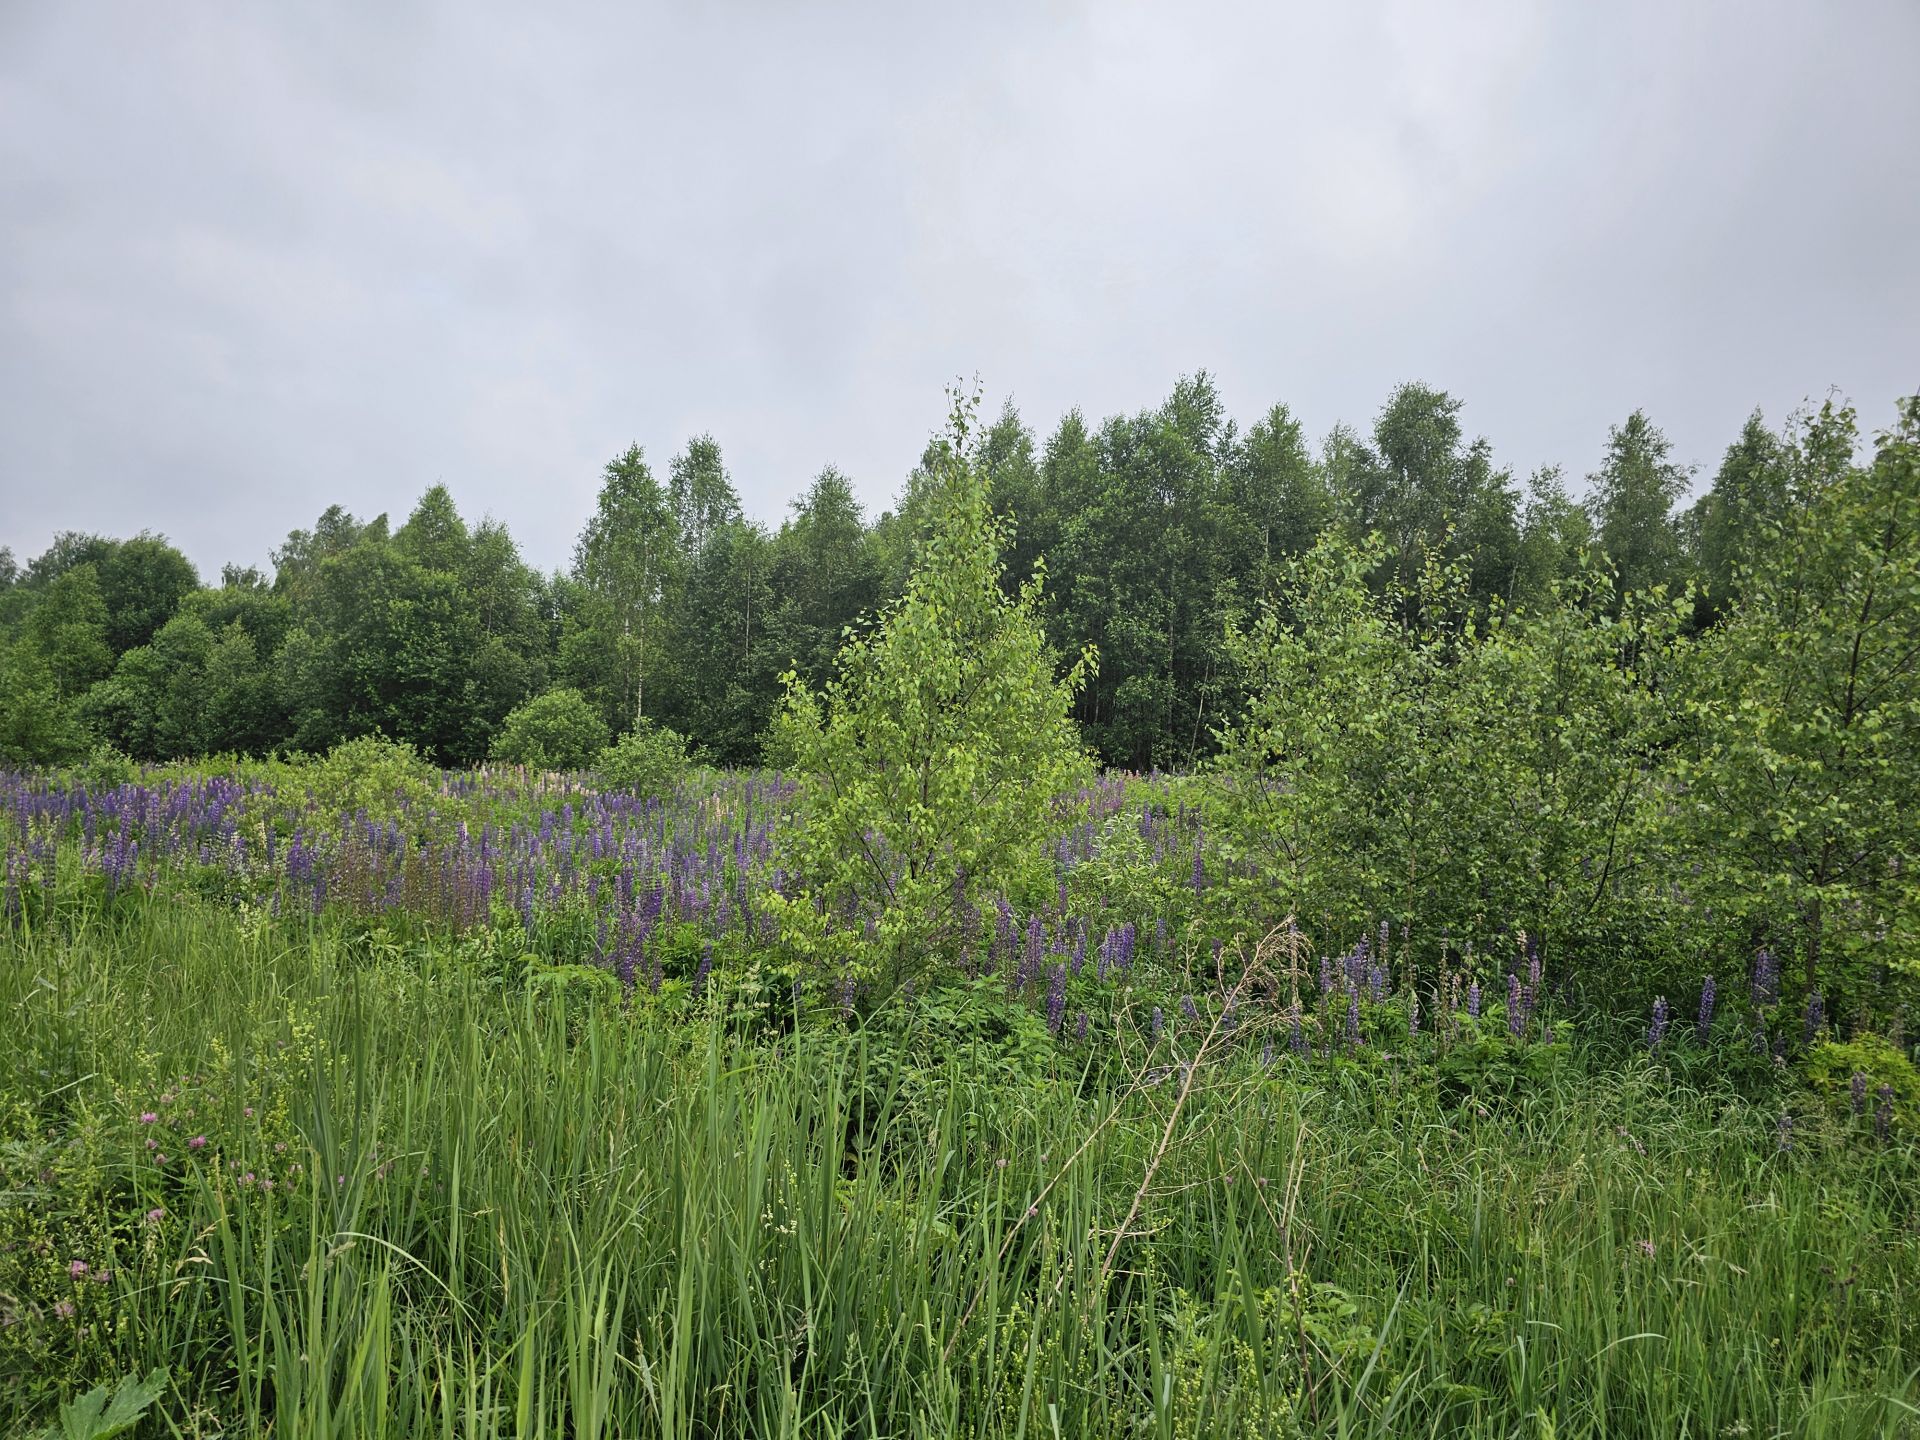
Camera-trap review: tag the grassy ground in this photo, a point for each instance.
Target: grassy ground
(430, 1203)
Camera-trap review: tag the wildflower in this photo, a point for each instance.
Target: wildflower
(1473, 1000)
(198, 1142)
(1188, 1008)
(78, 1270)
(64, 1309)
(1765, 985)
(1705, 1021)
(1057, 998)
(1158, 1021)
(1816, 1014)
(1657, 1031)
(1647, 1247)
(1859, 1088)
(147, 1117)
(1785, 1131)
(156, 1215)
(1883, 1113)
(1353, 1017)
(1516, 1008)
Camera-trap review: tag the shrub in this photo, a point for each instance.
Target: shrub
(559, 730)
(1830, 1068)
(648, 761)
(928, 766)
(372, 773)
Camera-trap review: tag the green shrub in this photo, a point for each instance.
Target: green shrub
(648, 761)
(372, 773)
(929, 765)
(1829, 1068)
(559, 730)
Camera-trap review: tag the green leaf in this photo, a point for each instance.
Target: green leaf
(95, 1415)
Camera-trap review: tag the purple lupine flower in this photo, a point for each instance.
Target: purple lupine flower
(1188, 1008)
(1516, 1008)
(1413, 1016)
(1705, 1021)
(1883, 1112)
(1057, 998)
(1353, 1017)
(1158, 1021)
(1080, 1027)
(1473, 999)
(1859, 1089)
(1765, 986)
(1199, 870)
(1784, 1131)
(1657, 1030)
(705, 969)
(1816, 1014)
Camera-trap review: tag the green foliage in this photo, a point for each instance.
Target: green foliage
(625, 565)
(1632, 501)
(373, 774)
(1799, 780)
(37, 727)
(97, 1415)
(649, 760)
(1831, 1065)
(928, 764)
(1466, 775)
(559, 730)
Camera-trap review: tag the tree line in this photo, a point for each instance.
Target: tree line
(1156, 533)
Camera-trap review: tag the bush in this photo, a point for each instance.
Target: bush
(559, 730)
(928, 767)
(372, 773)
(1830, 1068)
(648, 761)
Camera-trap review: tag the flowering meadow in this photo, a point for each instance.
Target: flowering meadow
(1507, 1031)
(394, 1102)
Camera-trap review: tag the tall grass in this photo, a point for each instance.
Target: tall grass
(504, 1213)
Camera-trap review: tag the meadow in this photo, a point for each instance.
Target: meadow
(1504, 1029)
(477, 1103)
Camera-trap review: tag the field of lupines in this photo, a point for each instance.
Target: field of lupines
(491, 1104)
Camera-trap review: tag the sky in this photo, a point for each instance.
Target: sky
(258, 259)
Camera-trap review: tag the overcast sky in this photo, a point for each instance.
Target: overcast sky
(258, 258)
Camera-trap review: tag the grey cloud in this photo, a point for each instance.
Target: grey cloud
(256, 260)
